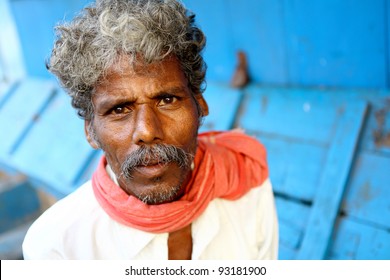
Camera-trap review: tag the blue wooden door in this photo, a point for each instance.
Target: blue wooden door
(311, 140)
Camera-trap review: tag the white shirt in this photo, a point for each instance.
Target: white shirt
(77, 227)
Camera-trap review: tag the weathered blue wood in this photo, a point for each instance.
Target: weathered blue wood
(289, 42)
(286, 158)
(223, 103)
(11, 61)
(336, 43)
(6, 90)
(286, 253)
(19, 202)
(257, 28)
(331, 43)
(35, 20)
(289, 236)
(292, 217)
(357, 239)
(11, 242)
(368, 195)
(293, 113)
(292, 212)
(58, 166)
(376, 137)
(333, 181)
(214, 19)
(19, 112)
(378, 120)
(387, 15)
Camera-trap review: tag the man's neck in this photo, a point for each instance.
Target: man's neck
(180, 244)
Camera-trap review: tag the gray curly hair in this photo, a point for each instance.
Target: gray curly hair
(87, 46)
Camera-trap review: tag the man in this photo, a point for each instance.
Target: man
(135, 72)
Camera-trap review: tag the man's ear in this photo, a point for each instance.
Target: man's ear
(88, 130)
(202, 104)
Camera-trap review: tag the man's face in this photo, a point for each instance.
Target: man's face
(136, 110)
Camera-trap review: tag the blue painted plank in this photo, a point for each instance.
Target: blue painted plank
(356, 240)
(5, 92)
(286, 253)
(368, 194)
(11, 63)
(378, 120)
(276, 116)
(289, 42)
(286, 158)
(333, 181)
(377, 124)
(223, 104)
(215, 21)
(297, 114)
(336, 43)
(345, 242)
(55, 151)
(19, 203)
(292, 217)
(387, 15)
(257, 29)
(289, 236)
(18, 113)
(292, 212)
(376, 137)
(40, 16)
(11, 242)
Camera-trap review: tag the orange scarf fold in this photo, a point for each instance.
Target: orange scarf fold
(227, 165)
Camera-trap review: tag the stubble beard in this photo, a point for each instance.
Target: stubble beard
(158, 154)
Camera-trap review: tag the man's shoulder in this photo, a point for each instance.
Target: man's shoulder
(49, 229)
(78, 203)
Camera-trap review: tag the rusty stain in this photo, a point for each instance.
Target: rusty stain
(380, 136)
(241, 76)
(380, 117)
(381, 139)
(340, 110)
(365, 192)
(364, 195)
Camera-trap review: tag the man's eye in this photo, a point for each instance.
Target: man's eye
(167, 100)
(119, 110)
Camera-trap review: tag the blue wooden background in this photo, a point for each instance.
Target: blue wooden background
(318, 99)
(328, 43)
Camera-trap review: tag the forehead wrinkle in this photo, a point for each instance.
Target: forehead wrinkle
(113, 91)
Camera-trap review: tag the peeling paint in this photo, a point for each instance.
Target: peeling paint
(380, 136)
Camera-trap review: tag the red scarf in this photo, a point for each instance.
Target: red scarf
(227, 165)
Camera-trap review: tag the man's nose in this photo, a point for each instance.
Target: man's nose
(148, 127)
